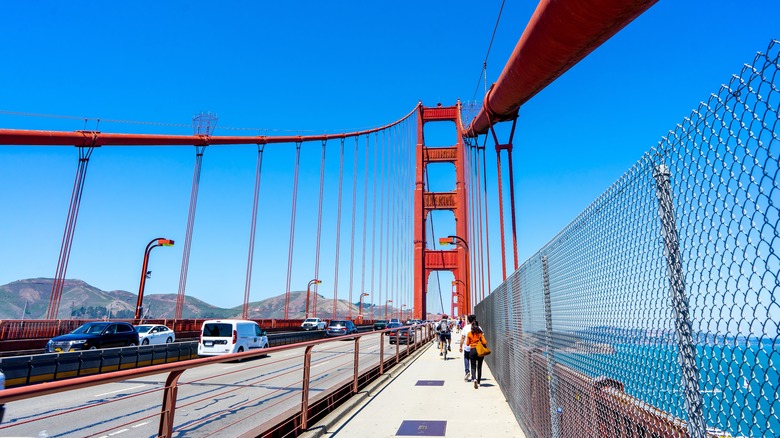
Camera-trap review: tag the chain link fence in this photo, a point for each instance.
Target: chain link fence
(655, 313)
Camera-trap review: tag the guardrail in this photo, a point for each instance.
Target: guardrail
(39, 368)
(291, 421)
(34, 329)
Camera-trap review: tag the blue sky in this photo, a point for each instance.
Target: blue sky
(312, 67)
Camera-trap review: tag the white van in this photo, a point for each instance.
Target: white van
(226, 336)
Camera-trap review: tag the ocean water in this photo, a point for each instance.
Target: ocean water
(740, 385)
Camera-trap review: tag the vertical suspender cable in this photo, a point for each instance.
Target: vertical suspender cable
(250, 257)
(67, 237)
(382, 215)
(473, 211)
(373, 219)
(185, 260)
(501, 211)
(512, 206)
(338, 231)
(292, 230)
(365, 214)
(478, 264)
(393, 215)
(352, 238)
(319, 227)
(487, 220)
(409, 190)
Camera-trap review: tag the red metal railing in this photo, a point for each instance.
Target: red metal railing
(338, 386)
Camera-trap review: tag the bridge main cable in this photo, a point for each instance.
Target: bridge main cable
(559, 34)
(28, 137)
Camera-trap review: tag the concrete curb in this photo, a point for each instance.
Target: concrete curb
(357, 401)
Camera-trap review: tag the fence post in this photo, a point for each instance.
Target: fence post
(168, 409)
(552, 380)
(305, 387)
(687, 354)
(356, 366)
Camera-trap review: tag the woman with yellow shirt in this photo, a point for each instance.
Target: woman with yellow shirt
(474, 336)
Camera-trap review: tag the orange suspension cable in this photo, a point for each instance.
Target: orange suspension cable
(365, 216)
(292, 229)
(319, 227)
(487, 221)
(250, 257)
(382, 215)
(352, 238)
(338, 231)
(185, 260)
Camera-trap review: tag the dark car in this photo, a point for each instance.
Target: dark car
(401, 335)
(94, 335)
(340, 327)
(380, 324)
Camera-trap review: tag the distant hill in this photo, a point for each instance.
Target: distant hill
(81, 300)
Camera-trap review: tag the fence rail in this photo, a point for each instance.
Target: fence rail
(656, 311)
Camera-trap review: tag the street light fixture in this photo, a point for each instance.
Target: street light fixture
(308, 291)
(453, 240)
(160, 241)
(388, 301)
(360, 310)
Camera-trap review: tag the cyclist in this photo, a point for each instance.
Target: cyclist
(445, 336)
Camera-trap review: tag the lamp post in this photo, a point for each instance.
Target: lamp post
(360, 310)
(160, 241)
(403, 306)
(308, 291)
(388, 301)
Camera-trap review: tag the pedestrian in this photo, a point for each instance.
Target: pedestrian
(465, 349)
(472, 338)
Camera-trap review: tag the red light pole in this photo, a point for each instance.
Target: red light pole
(360, 310)
(388, 301)
(153, 244)
(308, 291)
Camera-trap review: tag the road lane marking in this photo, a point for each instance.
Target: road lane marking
(319, 364)
(141, 424)
(232, 366)
(118, 432)
(119, 390)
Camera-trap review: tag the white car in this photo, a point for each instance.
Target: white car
(313, 324)
(154, 334)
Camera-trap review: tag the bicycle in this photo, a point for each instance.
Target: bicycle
(445, 340)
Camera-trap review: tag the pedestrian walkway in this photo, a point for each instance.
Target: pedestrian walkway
(426, 396)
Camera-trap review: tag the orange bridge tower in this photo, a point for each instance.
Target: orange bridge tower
(429, 260)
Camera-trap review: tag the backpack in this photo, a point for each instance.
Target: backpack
(444, 327)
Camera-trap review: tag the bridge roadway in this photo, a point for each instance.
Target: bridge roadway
(240, 395)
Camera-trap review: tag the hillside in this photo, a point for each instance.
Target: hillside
(81, 300)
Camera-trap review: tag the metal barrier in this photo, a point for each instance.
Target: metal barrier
(274, 413)
(656, 311)
(28, 369)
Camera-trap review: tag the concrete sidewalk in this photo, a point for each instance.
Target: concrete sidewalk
(453, 409)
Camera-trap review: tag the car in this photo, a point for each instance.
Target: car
(313, 324)
(94, 335)
(227, 336)
(154, 334)
(380, 324)
(395, 320)
(340, 327)
(403, 334)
